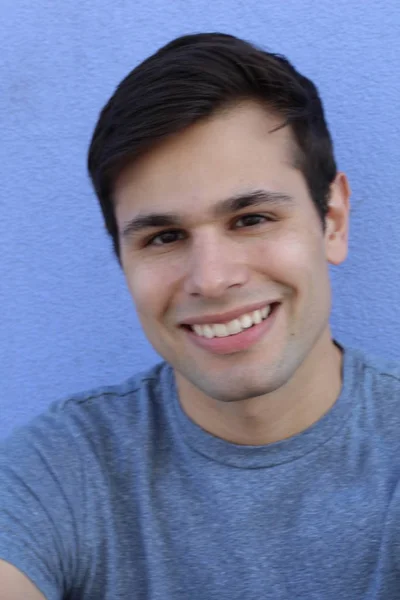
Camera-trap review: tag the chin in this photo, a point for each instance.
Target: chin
(239, 392)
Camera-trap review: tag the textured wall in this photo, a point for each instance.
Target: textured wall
(66, 320)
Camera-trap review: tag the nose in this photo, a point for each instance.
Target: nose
(215, 264)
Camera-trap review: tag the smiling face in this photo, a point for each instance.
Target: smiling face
(225, 254)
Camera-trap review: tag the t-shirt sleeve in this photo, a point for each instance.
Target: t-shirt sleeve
(38, 524)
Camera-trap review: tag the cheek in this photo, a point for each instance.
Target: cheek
(307, 269)
(294, 260)
(152, 287)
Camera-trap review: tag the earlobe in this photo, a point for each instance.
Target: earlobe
(337, 220)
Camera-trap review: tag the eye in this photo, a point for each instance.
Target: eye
(166, 237)
(251, 220)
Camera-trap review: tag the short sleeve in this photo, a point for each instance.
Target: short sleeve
(39, 493)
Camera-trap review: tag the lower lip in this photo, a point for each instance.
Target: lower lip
(237, 342)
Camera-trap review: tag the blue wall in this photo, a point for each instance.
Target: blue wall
(66, 319)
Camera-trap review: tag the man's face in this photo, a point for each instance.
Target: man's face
(216, 224)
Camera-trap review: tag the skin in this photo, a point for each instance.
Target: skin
(214, 262)
(15, 585)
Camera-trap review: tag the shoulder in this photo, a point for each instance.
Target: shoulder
(372, 385)
(126, 400)
(84, 424)
(120, 401)
(375, 371)
(56, 470)
(143, 383)
(55, 474)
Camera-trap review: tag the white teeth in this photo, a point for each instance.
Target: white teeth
(220, 330)
(265, 311)
(246, 321)
(234, 326)
(208, 331)
(257, 317)
(198, 329)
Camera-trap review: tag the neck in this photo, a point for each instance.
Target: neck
(294, 407)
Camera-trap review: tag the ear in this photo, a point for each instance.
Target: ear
(337, 220)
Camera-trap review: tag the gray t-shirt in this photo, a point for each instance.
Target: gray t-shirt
(117, 495)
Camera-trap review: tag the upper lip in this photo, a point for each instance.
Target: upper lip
(226, 316)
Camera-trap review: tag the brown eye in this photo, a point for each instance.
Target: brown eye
(166, 237)
(250, 221)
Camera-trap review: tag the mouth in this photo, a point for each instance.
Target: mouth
(233, 327)
(235, 335)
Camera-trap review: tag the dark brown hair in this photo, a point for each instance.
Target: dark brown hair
(190, 79)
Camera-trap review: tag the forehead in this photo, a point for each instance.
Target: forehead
(215, 158)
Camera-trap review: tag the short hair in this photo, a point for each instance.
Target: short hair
(190, 79)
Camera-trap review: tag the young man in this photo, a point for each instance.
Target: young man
(260, 460)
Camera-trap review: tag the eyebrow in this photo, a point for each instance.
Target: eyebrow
(222, 208)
